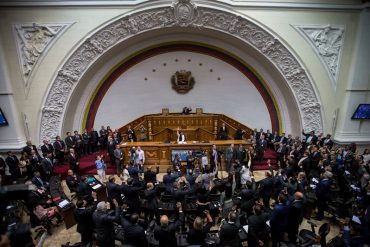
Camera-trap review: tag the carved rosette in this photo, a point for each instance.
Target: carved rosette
(176, 16)
(327, 42)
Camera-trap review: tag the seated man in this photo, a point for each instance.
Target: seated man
(41, 213)
(84, 190)
(38, 181)
(72, 181)
(165, 233)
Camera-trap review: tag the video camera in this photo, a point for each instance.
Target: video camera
(10, 222)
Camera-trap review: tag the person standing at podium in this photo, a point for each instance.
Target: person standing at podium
(180, 137)
(222, 134)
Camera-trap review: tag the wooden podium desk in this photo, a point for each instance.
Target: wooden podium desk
(161, 153)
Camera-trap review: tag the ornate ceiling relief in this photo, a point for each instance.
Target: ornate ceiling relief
(183, 13)
(327, 42)
(33, 41)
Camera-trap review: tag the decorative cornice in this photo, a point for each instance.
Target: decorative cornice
(326, 41)
(179, 16)
(232, 3)
(33, 41)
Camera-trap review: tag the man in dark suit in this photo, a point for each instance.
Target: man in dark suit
(279, 220)
(130, 134)
(261, 147)
(223, 133)
(266, 188)
(311, 138)
(104, 224)
(113, 190)
(239, 134)
(29, 147)
(151, 176)
(111, 146)
(241, 154)
(35, 163)
(118, 159)
(259, 134)
(73, 161)
(229, 232)
(70, 141)
(322, 194)
(305, 164)
(13, 164)
(327, 141)
(131, 195)
(84, 190)
(94, 140)
(86, 142)
(134, 233)
(152, 203)
(165, 233)
(230, 155)
(72, 181)
(47, 148)
(59, 148)
(47, 166)
(78, 143)
(38, 181)
(103, 137)
(84, 218)
(257, 230)
(295, 216)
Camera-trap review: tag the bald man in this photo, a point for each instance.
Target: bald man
(295, 216)
(165, 233)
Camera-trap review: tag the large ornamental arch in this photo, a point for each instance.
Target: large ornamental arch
(182, 14)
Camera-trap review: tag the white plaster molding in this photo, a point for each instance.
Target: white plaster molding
(164, 17)
(349, 137)
(327, 42)
(233, 3)
(33, 41)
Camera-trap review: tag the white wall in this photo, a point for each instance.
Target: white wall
(278, 20)
(131, 96)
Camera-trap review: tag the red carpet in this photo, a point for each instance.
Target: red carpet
(262, 165)
(87, 166)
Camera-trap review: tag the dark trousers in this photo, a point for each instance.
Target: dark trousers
(86, 238)
(106, 243)
(87, 148)
(321, 207)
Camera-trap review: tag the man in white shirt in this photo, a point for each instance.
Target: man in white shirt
(140, 158)
(180, 137)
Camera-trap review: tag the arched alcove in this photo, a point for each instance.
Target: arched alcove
(286, 76)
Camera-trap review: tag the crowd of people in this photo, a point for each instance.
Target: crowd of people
(312, 172)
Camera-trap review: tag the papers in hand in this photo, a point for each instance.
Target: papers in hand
(356, 219)
(268, 223)
(245, 228)
(315, 180)
(63, 203)
(97, 186)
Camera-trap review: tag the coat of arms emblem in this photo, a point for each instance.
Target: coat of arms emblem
(182, 81)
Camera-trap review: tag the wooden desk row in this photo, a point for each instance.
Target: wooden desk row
(161, 153)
